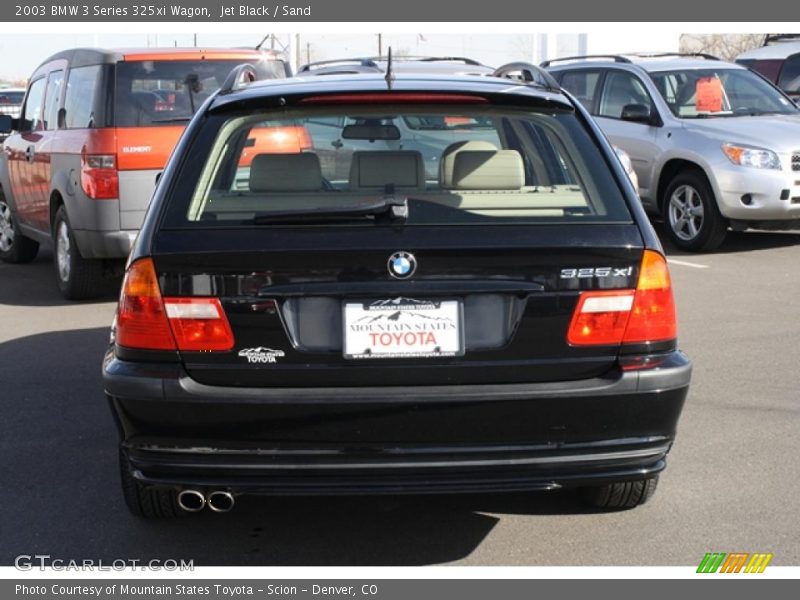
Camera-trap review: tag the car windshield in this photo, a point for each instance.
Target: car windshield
(437, 166)
(151, 92)
(702, 93)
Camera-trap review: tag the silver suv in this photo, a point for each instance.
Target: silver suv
(715, 146)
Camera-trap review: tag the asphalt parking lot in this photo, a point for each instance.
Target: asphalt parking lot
(732, 482)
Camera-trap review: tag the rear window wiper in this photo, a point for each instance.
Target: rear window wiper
(396, 208)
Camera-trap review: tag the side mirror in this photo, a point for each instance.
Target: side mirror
(637, 113)
(6, 124)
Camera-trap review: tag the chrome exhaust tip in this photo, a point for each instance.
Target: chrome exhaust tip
(220, 501)
(191, 500)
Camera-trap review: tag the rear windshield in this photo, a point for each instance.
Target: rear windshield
(11, 98)
(453, 165)
(152, 92)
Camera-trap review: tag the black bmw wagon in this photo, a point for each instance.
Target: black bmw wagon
(360, 284)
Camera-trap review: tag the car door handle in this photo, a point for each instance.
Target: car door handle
(30, 153)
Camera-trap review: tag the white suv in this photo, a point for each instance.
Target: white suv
(715, 146)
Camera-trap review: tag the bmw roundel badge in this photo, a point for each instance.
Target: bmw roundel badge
(402, 265)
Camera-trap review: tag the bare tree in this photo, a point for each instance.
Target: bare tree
(726, 46)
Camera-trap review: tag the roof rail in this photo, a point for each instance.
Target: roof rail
(615, 57)
(467, 61)
(528, 73)
(239, 77)
(676, 54)
(359, 62)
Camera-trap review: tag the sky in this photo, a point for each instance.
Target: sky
(20, 54)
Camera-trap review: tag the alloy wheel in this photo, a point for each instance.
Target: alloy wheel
(6, 228)
(63, 251)
(685, 212)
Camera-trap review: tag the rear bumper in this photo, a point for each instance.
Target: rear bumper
(177, 432)
(104, 244)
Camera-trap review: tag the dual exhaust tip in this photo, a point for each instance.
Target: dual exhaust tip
(218, 501)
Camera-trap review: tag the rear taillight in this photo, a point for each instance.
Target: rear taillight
(99, 176)
(643, 315)
(653, 316)
(141, 318)
(146, 321)
(600, 318)
(199, 324)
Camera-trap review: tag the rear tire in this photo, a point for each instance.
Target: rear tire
(15, 248)
(691, 215)
(147, 501)
(621, 495)
(78, 278)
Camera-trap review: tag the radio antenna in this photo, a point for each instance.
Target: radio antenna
(389, 73)
(261, 43)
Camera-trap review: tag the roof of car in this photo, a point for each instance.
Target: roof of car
(779, 50)
(376, 82)
(654, 63)
(78, 57)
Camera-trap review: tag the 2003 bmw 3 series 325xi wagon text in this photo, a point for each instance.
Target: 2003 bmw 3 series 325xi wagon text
(453, 289)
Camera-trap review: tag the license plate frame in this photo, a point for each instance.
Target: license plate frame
(442, 318)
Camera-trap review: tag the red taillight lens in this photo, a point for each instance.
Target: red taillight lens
(147, 321)
(99, 176)
(613, 317)
(600, 318)
(653, 316)
(141, 318)
(199, 324)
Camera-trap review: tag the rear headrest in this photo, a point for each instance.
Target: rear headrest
(404, 169)
(488, 170)
(285, 173)
(448, 160)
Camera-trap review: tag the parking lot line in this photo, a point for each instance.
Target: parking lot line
(684, 263)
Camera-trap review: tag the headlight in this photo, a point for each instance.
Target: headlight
(624, 159)
(746, 156)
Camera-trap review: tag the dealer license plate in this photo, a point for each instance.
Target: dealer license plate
(403, 328)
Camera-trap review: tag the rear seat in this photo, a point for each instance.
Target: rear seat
(373, 171)
(285, 173)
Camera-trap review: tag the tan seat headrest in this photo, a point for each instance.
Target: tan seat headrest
(448, 159)
(488, 170)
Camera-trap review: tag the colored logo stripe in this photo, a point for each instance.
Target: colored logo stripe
(758, 562)
(711, 562)
(734, 562)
